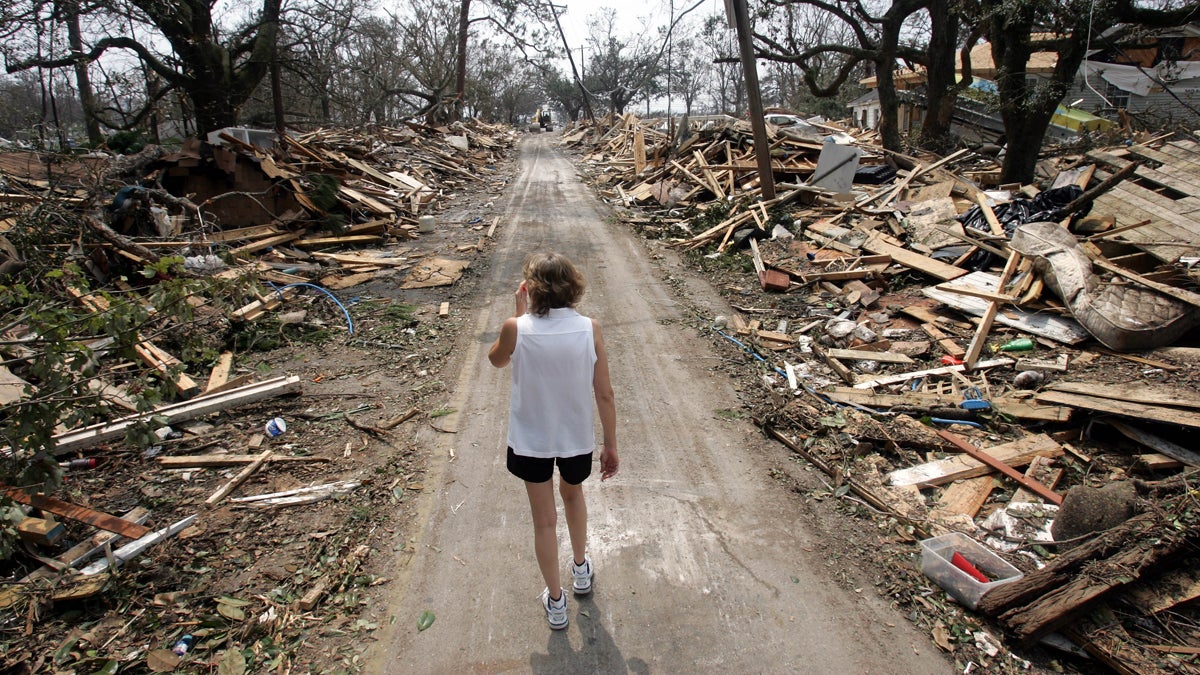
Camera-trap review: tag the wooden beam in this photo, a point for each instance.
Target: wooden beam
(220, 372)
(939, 472)
(913, 260)
(224, 490)
(1187, 418)
(1040, 470)
(86, 437)
(1034, 486)
(944, 370)
(860, 355)
(208, 461)
(985, 323)
(82, 514)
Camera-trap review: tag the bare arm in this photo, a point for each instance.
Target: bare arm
(501, 352)
(606, 403)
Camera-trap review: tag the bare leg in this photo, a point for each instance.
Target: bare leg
(576, 510)
(545, 532)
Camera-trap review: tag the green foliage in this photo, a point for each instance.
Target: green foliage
(126, 142)
(59, 359)
(401, 314)
(323, 192)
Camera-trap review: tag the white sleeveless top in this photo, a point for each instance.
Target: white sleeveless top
(550, 411)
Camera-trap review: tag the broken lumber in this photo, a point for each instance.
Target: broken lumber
(180, 412)
(989, 315)
(998, 464)
(1116, 562)
(1141, 529)
(208, 461)
(1172, 450)
(58, 507)
(912, 259)
(224, 490)
(134, 548)
(942, 471)
(944, 370)
(1187, 418)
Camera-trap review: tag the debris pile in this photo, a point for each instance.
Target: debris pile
(959, 355)
(159, 267)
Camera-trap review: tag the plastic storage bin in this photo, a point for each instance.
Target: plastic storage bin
(935, 564)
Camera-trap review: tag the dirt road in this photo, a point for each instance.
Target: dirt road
(702, 562)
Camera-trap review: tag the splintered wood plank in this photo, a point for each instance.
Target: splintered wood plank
(1187, 418)
(997, 464)
(337, 283)
(944, 370)
(150, 354)
(1028, 411)
(353, 259)
(967, 496)
(1101, 635)
(1172, 450)
(259, 307)
(1132, 393)
(989, 315)
(639, 151)
(207, 461)
(1041, 470)
(266, 243)
(942, 471)
(944, 341)
(58, 507)
(220, 372)
(913, 260)
(860, 355)
(1178, 586)
(836, 366)
(86, 437)
(226, 489)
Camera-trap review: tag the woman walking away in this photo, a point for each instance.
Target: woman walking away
(558, 366)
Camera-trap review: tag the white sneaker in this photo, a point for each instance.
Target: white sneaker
(556, 610)
(582, 574)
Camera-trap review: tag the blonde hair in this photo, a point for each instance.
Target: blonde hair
(551, 281)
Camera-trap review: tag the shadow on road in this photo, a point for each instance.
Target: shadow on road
(598, 653)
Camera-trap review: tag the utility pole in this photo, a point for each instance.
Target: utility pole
(762, 150)
(587, 103)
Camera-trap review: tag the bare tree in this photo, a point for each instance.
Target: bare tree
(218, 73)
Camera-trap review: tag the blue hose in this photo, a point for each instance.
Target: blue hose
(349, 321)
(751, 352)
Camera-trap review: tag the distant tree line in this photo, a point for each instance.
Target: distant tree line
(91, 72)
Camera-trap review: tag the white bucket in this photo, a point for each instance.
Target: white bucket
(426, 224)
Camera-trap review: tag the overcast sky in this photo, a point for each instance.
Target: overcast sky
(631, 14)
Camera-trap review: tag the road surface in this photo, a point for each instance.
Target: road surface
(703, 564)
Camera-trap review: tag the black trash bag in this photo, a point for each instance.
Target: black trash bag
(1045, 206)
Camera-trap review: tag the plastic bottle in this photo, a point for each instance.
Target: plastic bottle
(1018, 345)
(183, 645)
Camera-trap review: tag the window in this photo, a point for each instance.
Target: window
(1117, 97)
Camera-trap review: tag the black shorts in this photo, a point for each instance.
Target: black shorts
(574, 470)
